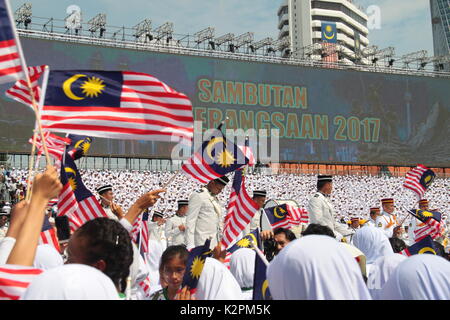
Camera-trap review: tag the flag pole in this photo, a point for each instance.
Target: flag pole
(27, 78)
(259, 253)
(31, 166)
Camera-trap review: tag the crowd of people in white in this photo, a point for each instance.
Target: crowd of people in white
(316, 253)
(352, 196)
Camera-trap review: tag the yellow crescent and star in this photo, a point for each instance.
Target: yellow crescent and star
(427, 249)
(72, 180)
(84, 144)
(275, 213)
(328, 30)
(91, 87)
(224, 157)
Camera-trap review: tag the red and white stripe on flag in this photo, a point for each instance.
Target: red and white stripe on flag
(81, 212)
(56, 145)
(198, 169)
(20, 91)
(412, 180)
(14, 281)
(140, 229)
(149, 110)
(297, 215)
(432, 228)
(50, 237)
(145, 286)
(241, 210)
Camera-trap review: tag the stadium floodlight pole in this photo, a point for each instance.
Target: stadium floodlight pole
(23, 15)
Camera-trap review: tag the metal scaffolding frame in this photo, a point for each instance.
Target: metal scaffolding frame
(225, 46)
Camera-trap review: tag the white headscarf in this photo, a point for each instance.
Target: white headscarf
(217, 283)
(71, 282)
(382, 270)
(47, 257)
(242, 266)
(316, 267)
(373, 243)
(420, 277)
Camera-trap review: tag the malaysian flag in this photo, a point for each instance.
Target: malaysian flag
(10, 58)
(139, 233)
(194, 266)
(425, 245)
(79, 146)
(20, 91)
(286, 216)
(117, 105)
(245, 242)
(75, 200)
(56, 145)
(14, 281)
(247, 151)
(217, 157)
(48, 235)
(433, 225)
(419, 179)
(241, 210)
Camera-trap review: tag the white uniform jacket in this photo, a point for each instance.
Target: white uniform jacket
(174, 235)
(321, 212)
(204, 219)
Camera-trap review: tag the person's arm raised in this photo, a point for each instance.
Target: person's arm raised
(145, 201)
(46, 186)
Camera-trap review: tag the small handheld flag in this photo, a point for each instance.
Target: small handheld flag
(425, 245)
(217, 157)
(117, 105)
(75, 200)
(245, 242)
(433, 225)
(10, 57)
(419, 179)
(241, 210)
(79, 146)
(285, 216)
(195, 264)
(48, 235)
(261, 289)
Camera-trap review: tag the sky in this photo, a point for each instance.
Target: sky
(403, 24)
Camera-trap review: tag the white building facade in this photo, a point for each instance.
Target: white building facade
(308, 24)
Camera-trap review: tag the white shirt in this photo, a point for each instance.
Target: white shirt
(387, 222)
(204, 219)
(173, 233)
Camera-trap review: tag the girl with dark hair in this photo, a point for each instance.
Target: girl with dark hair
(172, 268)
(105, 245)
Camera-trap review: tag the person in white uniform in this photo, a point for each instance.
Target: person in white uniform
(373, 214)
(204, 219)
(113, 210)
(176, 226)
(387, 221)
(156, 229)
(321, 209)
